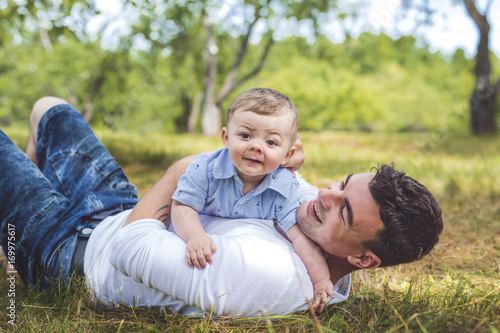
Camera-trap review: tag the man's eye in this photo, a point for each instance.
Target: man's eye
(245, 136)
(271, 142)
(342, 212)
(342, 185)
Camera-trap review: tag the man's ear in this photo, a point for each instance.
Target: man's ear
(288, 156)
(224, 136)
(366, 261)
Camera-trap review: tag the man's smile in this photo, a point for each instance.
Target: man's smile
(313, 210)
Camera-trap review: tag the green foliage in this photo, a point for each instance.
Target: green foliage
(345, 87)
(368, 83)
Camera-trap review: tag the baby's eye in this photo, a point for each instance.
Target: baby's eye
(245, 136)
(271, 142)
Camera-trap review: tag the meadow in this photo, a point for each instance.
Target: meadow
(454, 289)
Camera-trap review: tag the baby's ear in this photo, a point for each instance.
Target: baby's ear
(288, 156)
(224, 136)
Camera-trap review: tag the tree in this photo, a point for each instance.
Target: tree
(31, 24)
(218, 35)
(484, 97)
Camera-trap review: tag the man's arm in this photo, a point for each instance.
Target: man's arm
(157, 202)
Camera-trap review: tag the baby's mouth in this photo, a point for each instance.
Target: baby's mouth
(252, 160)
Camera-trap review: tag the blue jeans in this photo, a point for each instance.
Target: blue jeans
(43, 208)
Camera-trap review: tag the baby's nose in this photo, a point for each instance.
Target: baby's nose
(255, 146)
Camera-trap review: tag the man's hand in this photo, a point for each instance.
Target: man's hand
(199, 250)
(298, 157)
(322, 289)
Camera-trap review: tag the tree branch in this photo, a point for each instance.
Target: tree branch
(483, 65)
(251, 74)
(259, 66)
(229, 84)
(480, 19)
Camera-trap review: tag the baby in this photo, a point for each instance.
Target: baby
(244, 180)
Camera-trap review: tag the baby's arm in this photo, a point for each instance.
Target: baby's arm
(187, 225)
(313, 258)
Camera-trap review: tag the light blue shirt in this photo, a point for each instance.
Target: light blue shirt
(211, 186)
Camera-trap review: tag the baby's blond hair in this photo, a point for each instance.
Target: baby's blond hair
(267, 102)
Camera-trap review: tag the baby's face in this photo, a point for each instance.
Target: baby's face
(258, 144)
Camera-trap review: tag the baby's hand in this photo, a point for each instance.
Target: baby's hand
(199, 250)
(322, 289)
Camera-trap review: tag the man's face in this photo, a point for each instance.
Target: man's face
(342, 217)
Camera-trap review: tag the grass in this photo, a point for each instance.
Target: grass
(455, 289)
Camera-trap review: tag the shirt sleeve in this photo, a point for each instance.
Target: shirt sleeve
(192, 187)
(286, 211)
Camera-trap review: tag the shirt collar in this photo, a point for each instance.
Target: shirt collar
(223, 167)
(280, 180)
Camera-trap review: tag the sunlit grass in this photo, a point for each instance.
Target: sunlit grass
(455, 289)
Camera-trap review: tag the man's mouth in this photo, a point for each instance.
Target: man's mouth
(313, 210)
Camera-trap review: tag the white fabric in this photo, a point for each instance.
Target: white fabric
(255, 270)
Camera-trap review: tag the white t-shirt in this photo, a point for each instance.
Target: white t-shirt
(255, 270)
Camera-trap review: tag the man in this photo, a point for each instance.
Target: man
(131, 258)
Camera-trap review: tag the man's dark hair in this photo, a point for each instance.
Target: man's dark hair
(411, 215)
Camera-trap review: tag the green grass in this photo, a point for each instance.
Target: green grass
(455, 289)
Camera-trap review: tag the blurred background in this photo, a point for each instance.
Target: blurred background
(175, 66)
(414, 83)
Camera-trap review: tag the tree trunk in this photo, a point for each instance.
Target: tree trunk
(44, 37)
(483, 99)
(88, 111)
(193, 114)
(211, 118)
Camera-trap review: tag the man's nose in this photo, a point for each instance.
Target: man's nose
(330, 197)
